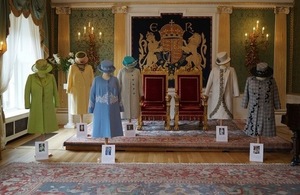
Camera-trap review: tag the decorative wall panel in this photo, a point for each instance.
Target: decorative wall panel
(103, 21)
(172, 41)
(242, 21)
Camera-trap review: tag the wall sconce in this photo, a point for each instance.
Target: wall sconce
(1, 47)
(89, 33)
(92, 39)
(255, 41)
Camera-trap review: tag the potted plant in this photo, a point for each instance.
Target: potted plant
(63, 64)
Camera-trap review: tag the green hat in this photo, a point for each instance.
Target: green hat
(129, 61)
(41, 66)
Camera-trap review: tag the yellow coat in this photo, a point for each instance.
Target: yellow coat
(79, 85)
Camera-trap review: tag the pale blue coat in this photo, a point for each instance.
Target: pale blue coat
(104, 103)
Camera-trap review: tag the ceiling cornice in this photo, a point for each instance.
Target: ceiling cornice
(110, 3)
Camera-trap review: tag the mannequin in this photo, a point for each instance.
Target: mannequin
(80, 80)
(261, 98)
(105, 103)
(41, 97)
(222, 82)
(130, 82)
(258, 138)
(106, 76)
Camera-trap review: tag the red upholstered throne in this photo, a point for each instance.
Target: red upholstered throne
(189, 102)
(155, 104)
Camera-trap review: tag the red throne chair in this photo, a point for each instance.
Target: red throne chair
(190, 104)
(155, 104)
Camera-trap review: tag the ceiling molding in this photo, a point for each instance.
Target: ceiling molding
(111, 3)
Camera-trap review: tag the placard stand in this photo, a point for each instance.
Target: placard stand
(41, 150)
(222, 133)
(108, 154)
(256, 152)
(129, 129)
(81, 130)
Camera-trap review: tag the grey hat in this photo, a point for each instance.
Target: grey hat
(262, 69)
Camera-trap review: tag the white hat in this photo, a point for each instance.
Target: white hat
(81, 58)
(222, 58)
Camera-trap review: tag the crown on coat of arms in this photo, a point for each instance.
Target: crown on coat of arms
(171, 30)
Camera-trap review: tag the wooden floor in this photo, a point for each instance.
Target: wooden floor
(15, 152)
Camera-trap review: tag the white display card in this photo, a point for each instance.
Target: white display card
(108, 154)
(81, 130)
(129, 129)
(41, 150)
(221, 133)
(256, 152)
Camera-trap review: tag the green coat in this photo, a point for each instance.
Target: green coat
(41, 97)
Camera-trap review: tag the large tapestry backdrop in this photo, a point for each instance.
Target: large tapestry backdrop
(172, 41)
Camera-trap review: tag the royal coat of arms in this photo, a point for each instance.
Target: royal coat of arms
(167, 49)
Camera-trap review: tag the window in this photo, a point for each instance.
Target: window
(24, 48)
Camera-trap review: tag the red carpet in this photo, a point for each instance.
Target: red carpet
(148, 178)
(188, 138)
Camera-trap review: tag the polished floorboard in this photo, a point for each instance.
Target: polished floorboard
(15, 152)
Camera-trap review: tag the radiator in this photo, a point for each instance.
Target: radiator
(16, 126)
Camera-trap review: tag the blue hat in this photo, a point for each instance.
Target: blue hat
(106, 66)
(129, 61)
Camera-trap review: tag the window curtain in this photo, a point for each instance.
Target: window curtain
(17, 59)
(4, 25)
(38, 11)
(35, 8)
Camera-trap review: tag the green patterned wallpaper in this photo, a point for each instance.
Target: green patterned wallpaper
(103, 21)
(242, 21)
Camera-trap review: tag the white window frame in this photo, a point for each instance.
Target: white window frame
(29, 51)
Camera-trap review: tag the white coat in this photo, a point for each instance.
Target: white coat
(130, 81)
(221, 102)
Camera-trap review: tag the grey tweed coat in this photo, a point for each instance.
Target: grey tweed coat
(130, 82)
(261, 97)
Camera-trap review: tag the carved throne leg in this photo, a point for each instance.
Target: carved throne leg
(168, 118)
(140, 123)
(204, 102)
(176, 110)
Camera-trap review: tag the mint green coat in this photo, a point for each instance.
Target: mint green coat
(41, 97)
